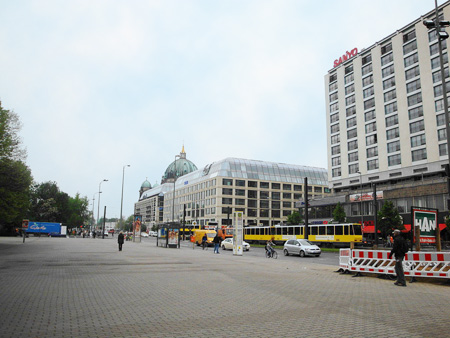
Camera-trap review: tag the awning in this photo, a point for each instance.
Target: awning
(370, 229)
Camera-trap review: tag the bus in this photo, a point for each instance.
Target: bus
(337, 235)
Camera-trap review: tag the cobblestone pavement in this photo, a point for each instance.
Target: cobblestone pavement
(59, 287)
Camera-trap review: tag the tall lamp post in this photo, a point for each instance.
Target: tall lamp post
(93, 205)
(99, 192)
(121, 198)
(360, 199)
(174, 180)
(439, 25)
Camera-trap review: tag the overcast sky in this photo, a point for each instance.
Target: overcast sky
(100, 84)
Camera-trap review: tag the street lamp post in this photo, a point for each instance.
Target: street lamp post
(442, 35)
(99, 192)
(174, 180)
(360, 199)
(121, 198)
(93, 206)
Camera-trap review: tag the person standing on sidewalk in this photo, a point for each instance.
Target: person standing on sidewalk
(120, 239)
(216, 242)
(399, 249)
(204, 241)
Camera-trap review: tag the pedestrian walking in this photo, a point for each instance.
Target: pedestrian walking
(120, 240)
(399, 249)
(193, 242)
(217, 239)
(204, 241)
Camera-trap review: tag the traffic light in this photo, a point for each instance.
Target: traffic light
(442, 34)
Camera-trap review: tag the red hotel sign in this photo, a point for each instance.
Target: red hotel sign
(345, 57)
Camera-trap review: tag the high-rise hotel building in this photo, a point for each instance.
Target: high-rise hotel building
(385, 116)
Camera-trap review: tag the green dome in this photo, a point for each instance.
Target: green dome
(146, 185)
(178, 168)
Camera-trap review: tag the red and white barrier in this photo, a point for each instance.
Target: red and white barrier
(415, 264)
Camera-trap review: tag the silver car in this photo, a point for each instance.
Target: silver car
(301, 247)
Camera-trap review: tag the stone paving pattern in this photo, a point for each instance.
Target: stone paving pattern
(59, 287)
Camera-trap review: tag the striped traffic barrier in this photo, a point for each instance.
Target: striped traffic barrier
(415, 264)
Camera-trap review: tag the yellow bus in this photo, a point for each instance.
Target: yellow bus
(321, 234)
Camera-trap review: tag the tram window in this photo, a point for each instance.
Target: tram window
(313, 230)
(322, 230)
(296, 230)
(357, 229)
(346, 227)
(290, 230)
(330, 230)
(301, 231)
(338, 229)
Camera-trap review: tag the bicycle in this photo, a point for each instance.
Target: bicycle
(271, 254)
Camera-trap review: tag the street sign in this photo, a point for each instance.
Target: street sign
(25, 224)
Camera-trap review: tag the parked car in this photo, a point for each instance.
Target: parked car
(301, 247)
(153, 233)
(227, 244)
(144, 234)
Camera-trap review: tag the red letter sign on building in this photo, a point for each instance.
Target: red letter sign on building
(345, 57)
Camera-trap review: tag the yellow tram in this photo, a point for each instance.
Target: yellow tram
(321, 234)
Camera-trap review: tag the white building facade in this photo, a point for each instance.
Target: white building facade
(385, 112)
(265, 191)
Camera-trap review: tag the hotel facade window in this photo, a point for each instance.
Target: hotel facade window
(415, 113)
(367, 80)
(393, 147)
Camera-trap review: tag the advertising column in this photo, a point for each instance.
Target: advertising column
(238, 233)
(137, 228)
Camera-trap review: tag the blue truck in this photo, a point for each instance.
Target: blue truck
(46, 228)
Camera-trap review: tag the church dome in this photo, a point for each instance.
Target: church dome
(178, 168)
(146, 185)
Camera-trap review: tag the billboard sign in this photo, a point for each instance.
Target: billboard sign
(367, 196)
(426, 221)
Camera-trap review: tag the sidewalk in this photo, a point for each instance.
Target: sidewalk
(58, 287)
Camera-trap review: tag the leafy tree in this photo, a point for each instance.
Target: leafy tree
(49, 204)
(15, 176)
(10, 141)
(143, 227)
(339, 213)
(78, 211)
(295, 218)
(15, 182)
(128, 225)
(389, 219)
(446, 231)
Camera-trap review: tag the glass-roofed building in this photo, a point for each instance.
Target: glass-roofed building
(265, 191)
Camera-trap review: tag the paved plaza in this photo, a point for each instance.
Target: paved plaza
(59, 287)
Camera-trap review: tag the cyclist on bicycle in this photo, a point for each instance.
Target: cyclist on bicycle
(269, 248)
